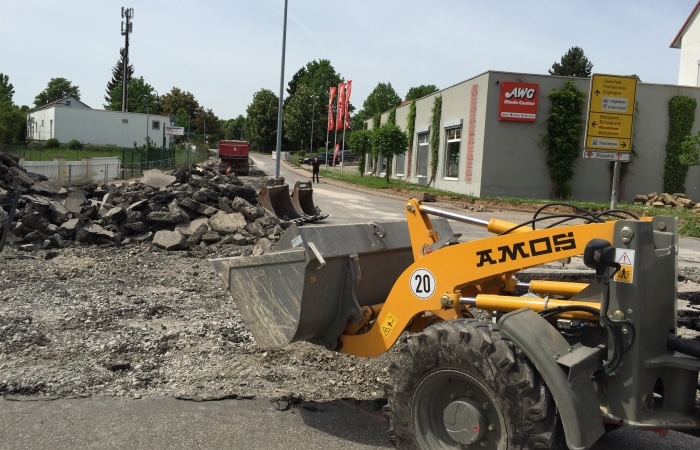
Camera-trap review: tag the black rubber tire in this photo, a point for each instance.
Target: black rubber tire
(467, 362)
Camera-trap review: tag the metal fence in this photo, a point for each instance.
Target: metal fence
(123, 164)
(76, 173)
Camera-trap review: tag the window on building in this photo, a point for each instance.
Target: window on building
(125, 120)
(155, 125)
(422, 155)
(453, 142)
(401, 164)
(67, 102)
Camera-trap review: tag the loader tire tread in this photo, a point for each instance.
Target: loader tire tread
(480, 353)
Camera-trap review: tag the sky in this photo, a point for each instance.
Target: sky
(224, 51)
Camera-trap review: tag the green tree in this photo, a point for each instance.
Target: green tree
(7, 90)
(389, 140)
(295, 82)
(56, 89)
(564, 136)
(13, 119)
(360, 143)
(182, 120)
(176, 99)
(382, 98)
(298, 117)
(319, 76)
(205, 126)
(142, 98)
(573, 64)
(316, 78)
(262, 119)
(417, 92)
(234, 128)
(117, 77)
(13, 122)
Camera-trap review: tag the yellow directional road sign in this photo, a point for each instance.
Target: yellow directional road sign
(610, 112)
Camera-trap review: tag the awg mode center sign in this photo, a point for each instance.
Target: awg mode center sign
(610, 113)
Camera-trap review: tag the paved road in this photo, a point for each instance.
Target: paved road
(161, 422)
(166, 423)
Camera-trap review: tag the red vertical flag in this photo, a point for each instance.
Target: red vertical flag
(341, 107)
(346, 119)
(331, 96)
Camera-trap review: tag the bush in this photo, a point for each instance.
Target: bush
(52, 143)
(75, 144)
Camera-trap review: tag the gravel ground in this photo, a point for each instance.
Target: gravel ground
(137, 321)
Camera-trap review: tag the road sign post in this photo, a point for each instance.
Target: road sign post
(611, 102)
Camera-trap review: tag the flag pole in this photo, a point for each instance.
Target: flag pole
(342, 155)
(337, 117)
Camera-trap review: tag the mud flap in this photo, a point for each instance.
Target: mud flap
(564, 370)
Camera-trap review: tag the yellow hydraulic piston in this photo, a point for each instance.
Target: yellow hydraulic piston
(503, 303)
(564, 288)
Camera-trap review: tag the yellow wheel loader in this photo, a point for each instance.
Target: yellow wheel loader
(550, 364)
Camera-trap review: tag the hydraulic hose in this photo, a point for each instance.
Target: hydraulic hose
(690, 347)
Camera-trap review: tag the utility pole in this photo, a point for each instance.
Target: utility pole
(127, 27)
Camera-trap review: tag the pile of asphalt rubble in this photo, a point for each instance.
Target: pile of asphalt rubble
(192, 206)
(107, 290)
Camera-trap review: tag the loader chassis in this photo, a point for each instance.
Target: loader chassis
(556, 360)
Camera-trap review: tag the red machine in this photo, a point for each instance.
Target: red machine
(234, 157)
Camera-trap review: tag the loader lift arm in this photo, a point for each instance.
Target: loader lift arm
(446, 281)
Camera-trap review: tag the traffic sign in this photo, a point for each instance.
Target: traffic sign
(610, 156)
(610, 113)
(610, 125)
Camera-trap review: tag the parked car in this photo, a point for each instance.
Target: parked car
(310, 158)
(344, 155)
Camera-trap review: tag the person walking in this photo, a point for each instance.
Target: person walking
(315, 166)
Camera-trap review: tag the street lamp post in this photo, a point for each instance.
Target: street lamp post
(313, 104)
(278, 147)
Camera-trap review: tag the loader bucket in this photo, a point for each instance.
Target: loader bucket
(316, 279)
(303, 201)
(276, 199)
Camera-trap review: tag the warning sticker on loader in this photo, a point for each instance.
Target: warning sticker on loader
(625, 258)
(422, 283)
(388, 325)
